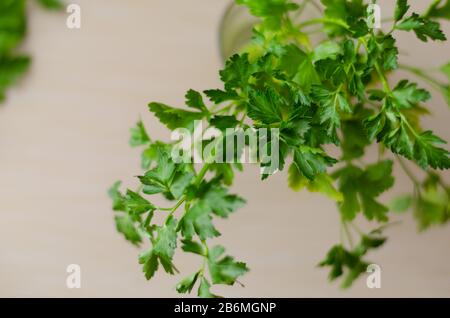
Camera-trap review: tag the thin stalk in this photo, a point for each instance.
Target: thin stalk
(323, 21)
(348, 234)
(421, 74)
(408, 171)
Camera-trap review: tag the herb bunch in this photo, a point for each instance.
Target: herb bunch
(333, 95)
(13, 28)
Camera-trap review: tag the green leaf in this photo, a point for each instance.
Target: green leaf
(391, 128)
(312, 161)
(195, 100)
(272, 11)
(299, 66)
(323, 183)
(125, 225)
(427, 154)
(159, 179)
(350, 263)
(11, 69)
(237, 72)
(198, 221)
(222, 203)
(361, 188)
(117, 197)
(306, 75)
(224, 270)
(224, 122)
(150, 262)
(139, 136)
(135, 204)
(439, 11)
(166, 241)
(332, 103)
(327, 50)
(186, 285)
(355, 139)
(401, 204)
(407, 95)
(182, 179)
(265, 106)
(424, 28)
(218, 96)
(52, 4)
(204, 289)
(224, 172)
(400, 9)
(331, 70)
(432, 205)
(335, 10)
(193, 247)
(174, 118)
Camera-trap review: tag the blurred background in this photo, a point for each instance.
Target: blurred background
(64, 140)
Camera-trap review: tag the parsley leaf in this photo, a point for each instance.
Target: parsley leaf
(312, 161)
(439, 11)
(195, 100)
(427, 154)
(265, 107)
(51, 4)
(361, 188)
(350, 263)
(139, 136)
(332, 103)
(125, 225)
(272, 11)
(224, 269)
(401, 8)
(424, 28)
(322, 183)
(174, 118)
(407, 95)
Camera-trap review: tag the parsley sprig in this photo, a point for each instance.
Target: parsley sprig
(13, 28)
(336, 94)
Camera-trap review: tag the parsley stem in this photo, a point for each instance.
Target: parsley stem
(323, 21)
(383, 78)
(175, 208)
(408, 172)
(378, 68)
(348, 234)
(201, 174)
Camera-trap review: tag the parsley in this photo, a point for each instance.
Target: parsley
(13, 29)
(334, 97)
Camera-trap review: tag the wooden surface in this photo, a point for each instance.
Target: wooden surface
(63, 141)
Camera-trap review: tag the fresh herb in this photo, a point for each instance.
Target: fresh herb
(13, 29)
(334, 95)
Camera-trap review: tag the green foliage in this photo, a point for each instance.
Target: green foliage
(425, 29)
(351, 263)
(439, 9)
(13, 30)
(430, 202)
(334, 98)
(362, 187)
(51, 4)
